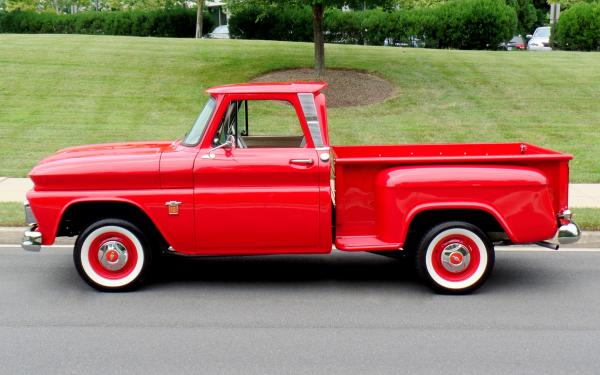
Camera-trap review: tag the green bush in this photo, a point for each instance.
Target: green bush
(465, 24)
(180, 23)
(272, 23)
(578, 28)
(473, 24)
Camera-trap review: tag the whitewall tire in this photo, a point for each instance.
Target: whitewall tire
(112, 255)
(455, 257)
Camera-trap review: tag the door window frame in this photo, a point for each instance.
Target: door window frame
(225, 100)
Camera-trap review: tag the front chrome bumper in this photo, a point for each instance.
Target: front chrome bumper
(32, 239)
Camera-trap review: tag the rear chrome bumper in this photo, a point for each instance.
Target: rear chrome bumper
(568, 233)
(32, 239)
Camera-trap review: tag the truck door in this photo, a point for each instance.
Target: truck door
(260, 195)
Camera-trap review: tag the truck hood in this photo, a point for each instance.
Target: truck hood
(132, 165)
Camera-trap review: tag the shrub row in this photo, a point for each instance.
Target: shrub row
(464, 24)
(179, 23)
(578, 28)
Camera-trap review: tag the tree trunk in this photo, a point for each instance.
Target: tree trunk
(318, 16)
(199, 19)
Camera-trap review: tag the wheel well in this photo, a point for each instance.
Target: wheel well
(79, 216)
(481, 219)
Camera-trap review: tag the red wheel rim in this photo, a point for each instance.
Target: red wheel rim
(473, 252)
(99, 268)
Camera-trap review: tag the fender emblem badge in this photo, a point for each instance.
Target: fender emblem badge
(173, 207)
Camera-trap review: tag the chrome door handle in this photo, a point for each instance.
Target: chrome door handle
(302, 161)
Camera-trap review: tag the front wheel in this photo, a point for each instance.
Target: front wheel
(455, 257)
(112, 255)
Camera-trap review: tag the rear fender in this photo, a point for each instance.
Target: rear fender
(519, 198)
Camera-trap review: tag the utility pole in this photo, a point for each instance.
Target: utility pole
(554, 14)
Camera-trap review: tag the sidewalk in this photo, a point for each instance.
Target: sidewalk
(14, 189)
(580, 195)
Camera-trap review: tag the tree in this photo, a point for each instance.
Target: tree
(318, 11)
(319, 37)
(199, 20)
(526, 15)
(318, 16)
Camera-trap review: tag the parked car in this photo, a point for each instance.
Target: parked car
(540, 40)
(220, 32)
(412, 41)
(516, 43)
(227, 188)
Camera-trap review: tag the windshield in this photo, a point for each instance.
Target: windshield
(517, 40)
(193, 137)
(542, 32)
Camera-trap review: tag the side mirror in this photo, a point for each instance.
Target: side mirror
(228, 145)
(528, 36)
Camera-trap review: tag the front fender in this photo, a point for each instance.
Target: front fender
(178, 230)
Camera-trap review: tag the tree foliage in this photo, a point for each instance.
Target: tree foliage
(465, 24)
(318, 17)
(579, 28)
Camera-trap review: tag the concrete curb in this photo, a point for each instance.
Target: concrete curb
(12, 236)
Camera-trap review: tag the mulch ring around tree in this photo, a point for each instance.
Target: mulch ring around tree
(347, 88)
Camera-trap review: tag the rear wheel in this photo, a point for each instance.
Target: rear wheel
(112, 255)
(454, 257)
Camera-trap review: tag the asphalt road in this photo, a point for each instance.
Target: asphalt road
(337, 314)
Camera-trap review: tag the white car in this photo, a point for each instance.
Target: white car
(540, 40)
(220, 32)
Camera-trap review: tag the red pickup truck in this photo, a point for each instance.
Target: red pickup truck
(256, 175)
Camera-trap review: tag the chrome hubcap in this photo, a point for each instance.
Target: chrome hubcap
(113, 255)
(455, 257)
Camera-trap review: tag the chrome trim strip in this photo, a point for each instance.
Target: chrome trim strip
(307, 102)
(302, 161)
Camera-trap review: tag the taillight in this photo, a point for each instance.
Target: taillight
(565, 217)
(520, 46)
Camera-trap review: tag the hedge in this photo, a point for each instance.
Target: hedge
(578, 28)
(272, 23)
(179, 23)
(464, 24)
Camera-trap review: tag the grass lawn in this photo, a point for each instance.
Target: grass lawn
(587, 218)
(62, 90)
(11, 215)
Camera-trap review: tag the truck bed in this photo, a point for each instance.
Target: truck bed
(358, 167)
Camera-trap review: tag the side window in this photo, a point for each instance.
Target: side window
(261, 124)
(230, 124)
